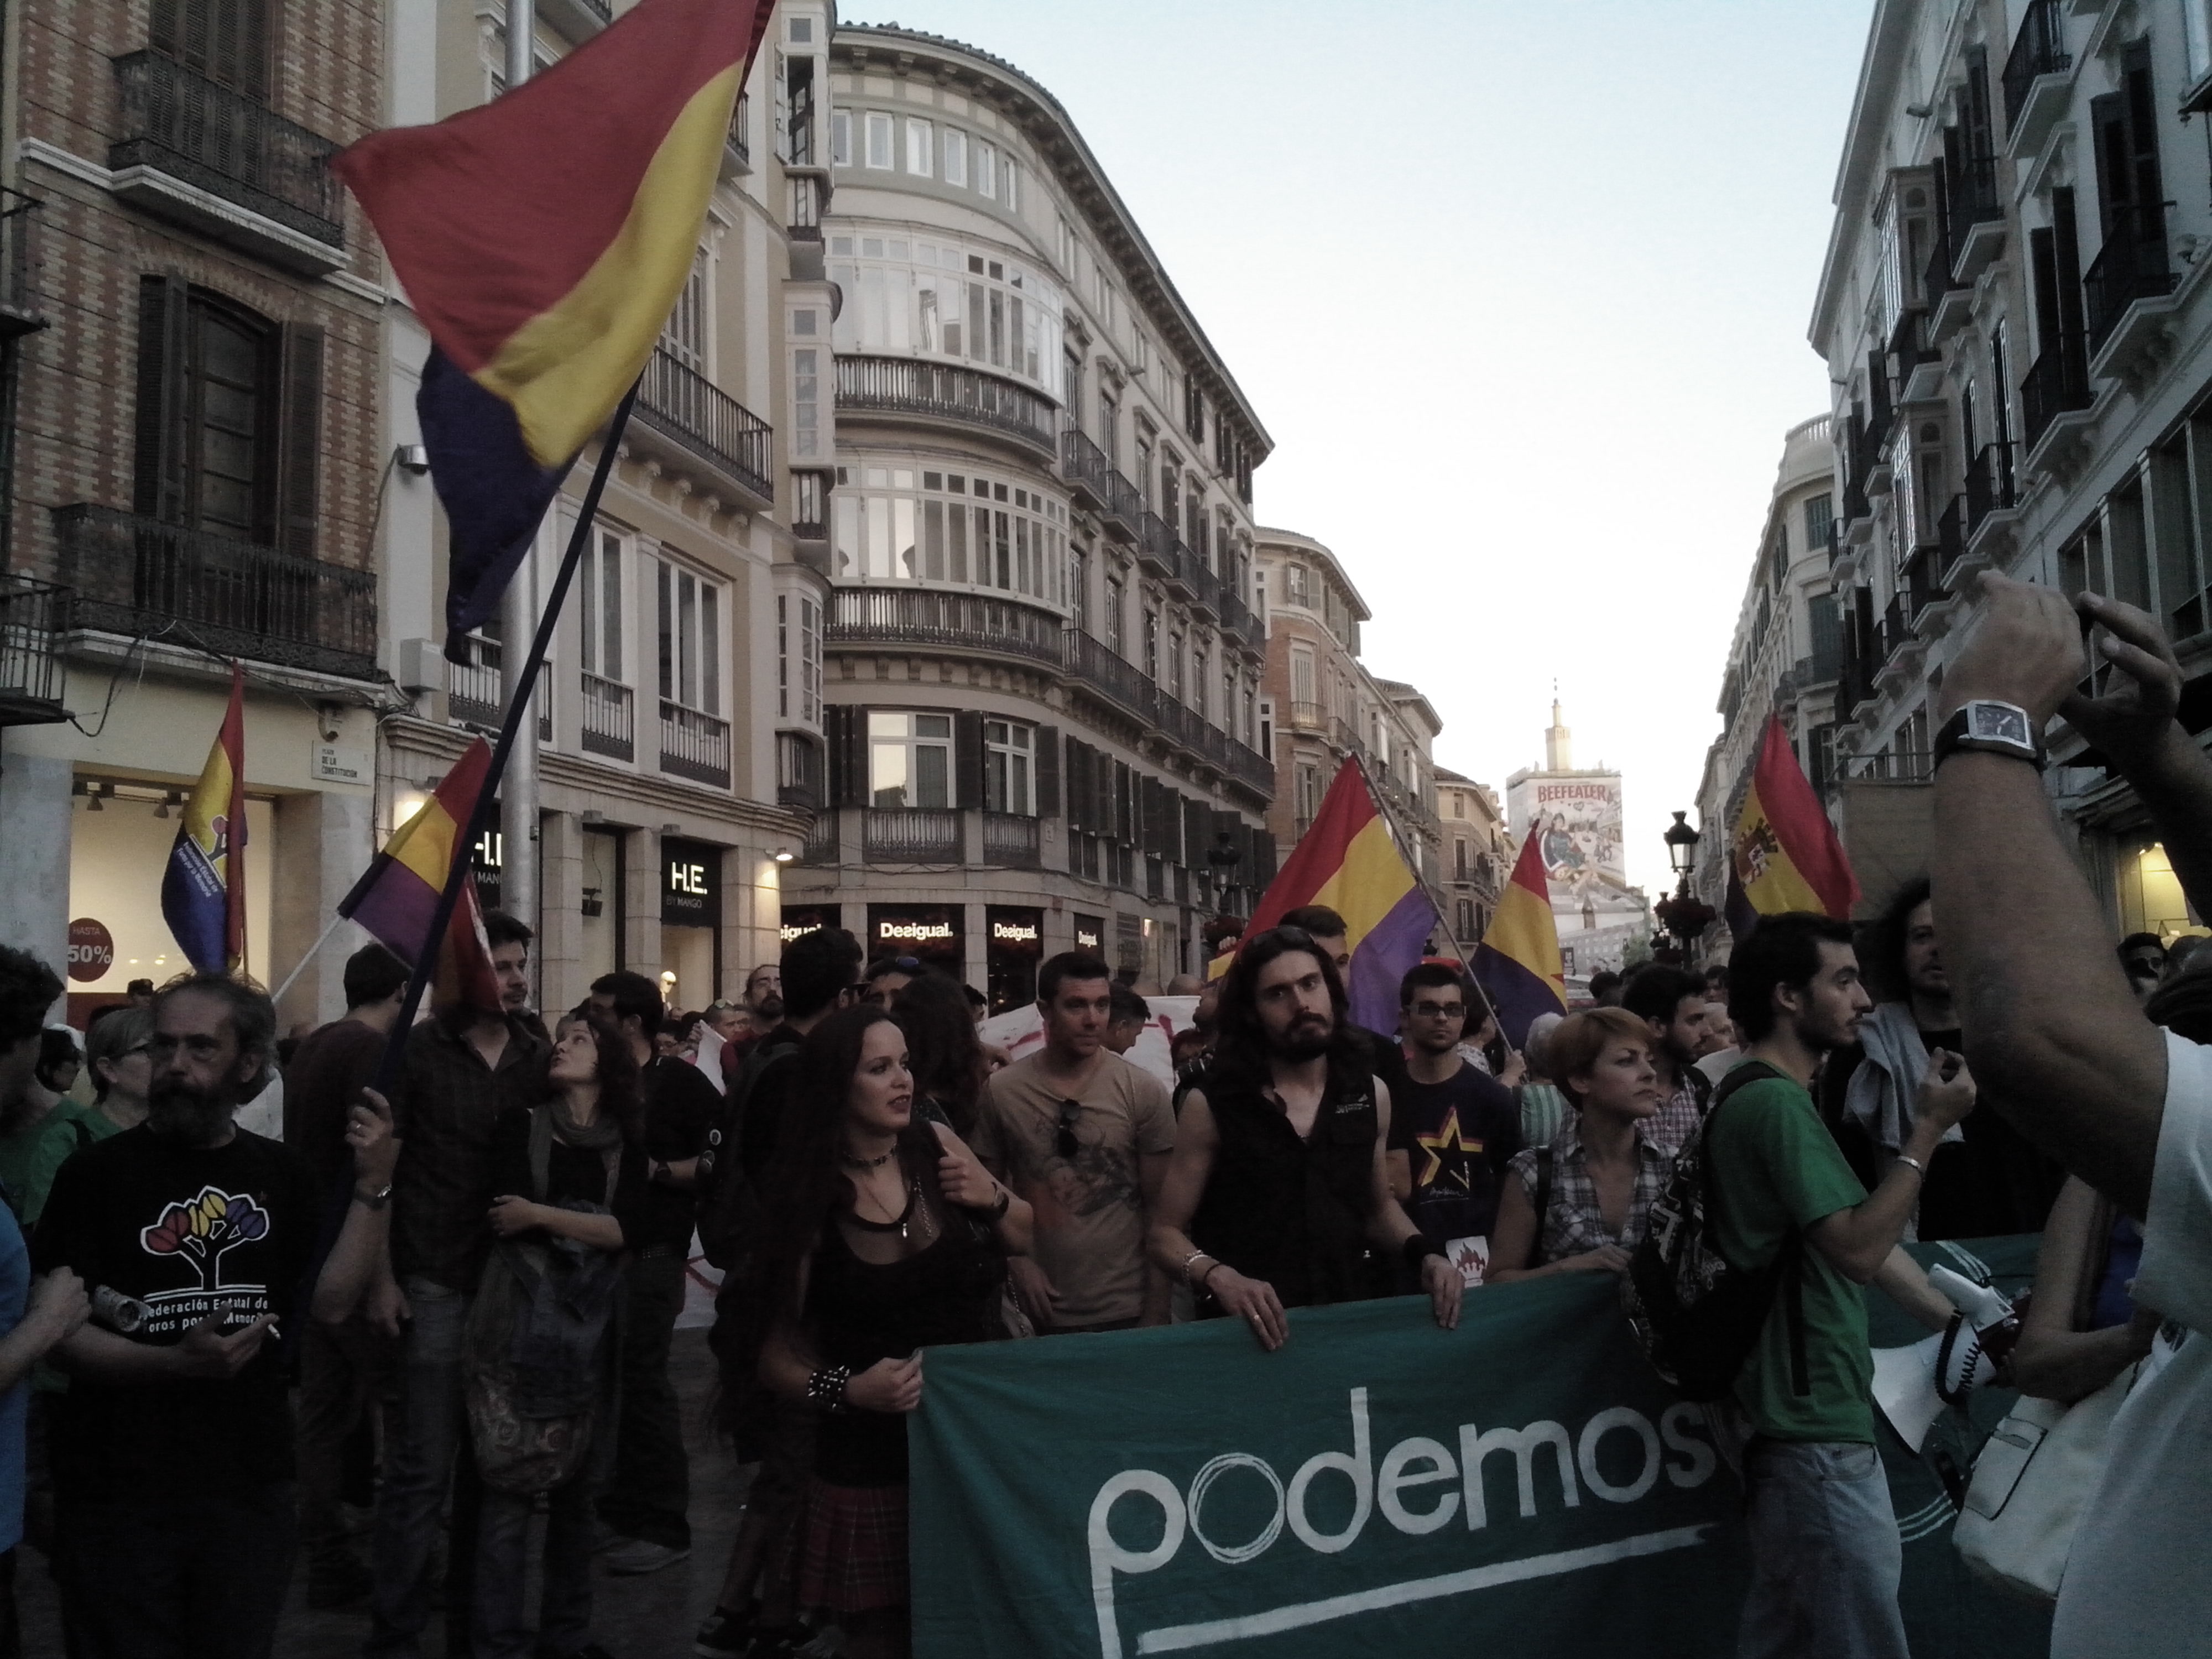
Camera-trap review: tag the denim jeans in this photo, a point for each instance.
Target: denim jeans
(500, 1628)
(1824, 1554)
(651, 1489)
(341, 1369)
(168, 1574)
(426, 1446)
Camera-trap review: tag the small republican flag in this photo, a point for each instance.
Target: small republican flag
(1784, 856)
(1517, 964)
(396, 896)
(203, 888)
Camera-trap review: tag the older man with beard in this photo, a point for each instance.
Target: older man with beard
(173, 1449)
(1278, 1185)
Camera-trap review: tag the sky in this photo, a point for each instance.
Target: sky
(1520, 293)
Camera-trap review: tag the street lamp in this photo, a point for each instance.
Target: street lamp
(1682, 845)
(1222, 860)
(1683, 917)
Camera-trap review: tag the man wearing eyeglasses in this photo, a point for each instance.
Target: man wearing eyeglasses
(1453, 1129)
(1084, 1137)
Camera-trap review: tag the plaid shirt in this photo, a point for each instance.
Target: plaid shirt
(1681, 1112)
(1572, 1223)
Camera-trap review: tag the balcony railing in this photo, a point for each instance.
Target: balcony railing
(610, 718)
(1923, 573)
(1989, 486)
(1237, 616)
(1083, 465)
(1909, 766)
(2132, 266)
(137, 575)
(1205, 586)
(185, 125)
(2057, 381)
(2038, 50)
(910, 834)
(1104, 670)
(1951, 534)
(1308, 717)
(1970, 199)
(820, 845)
(684, 403)
(694, 745)
(1935, 276)
(476, 688)
(1157, 546)
(20, 309)
(1010, 840)
(904, 386)
(739, 138)
(891, 616)
(1910, 344)
(34, 615)
(804, 196)
(1249, 766)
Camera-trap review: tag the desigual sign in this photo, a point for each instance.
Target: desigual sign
(913, 932)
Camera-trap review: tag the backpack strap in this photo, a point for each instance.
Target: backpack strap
(1789, 1258)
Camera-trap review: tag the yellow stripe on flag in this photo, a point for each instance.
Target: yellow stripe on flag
(1522, 930)
(1368, 884)
(425, 843)
(1769, 878)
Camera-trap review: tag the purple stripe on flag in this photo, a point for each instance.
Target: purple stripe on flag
(1391, 947)
(397, 907)
(1517, 995)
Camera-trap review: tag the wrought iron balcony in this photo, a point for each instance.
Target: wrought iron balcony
(1158, 547)
(1923, 585)
(694, 745)
(2132, 266)
(610, 718)
(1970, 199)
(2057, 382)
(33, 616)
(1951, 534)
(136, 575)
(1092, 663)
(1124, 506)
(946, 392)
(1083, 466)
(1237, 616)
(821, 845)
(923, 616)
(1250, 767)
(476, 689)
(911, 835)
(2038, 50)
(1204, 587)
(805, 195)
(1010, 841)
(685, 406)
(206, 136)
(20, 308)
(737, 144)
(1911, 344)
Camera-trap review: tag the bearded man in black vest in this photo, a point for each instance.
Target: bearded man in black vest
(1278, 1189)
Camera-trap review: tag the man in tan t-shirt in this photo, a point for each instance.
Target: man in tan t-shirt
(1084, 1137)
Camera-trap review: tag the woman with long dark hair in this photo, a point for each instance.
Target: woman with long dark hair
(570, 1173)
(882, 1235)
(942, 1049)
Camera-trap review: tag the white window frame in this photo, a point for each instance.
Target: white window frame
(956, 157)
(798, 620)
(901, 729)
(602, 639)
(987, 167)
(841, 139)
(876, 125)
(689, 652)
(1009, 767)
(920, 147)
(806, 401)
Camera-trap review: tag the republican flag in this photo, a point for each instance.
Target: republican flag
(543, 239)
(1784, 856)
(398, 894)
(1517, 964)
(203, 888)
(1347, 861)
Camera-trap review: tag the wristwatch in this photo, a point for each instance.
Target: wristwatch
(375, 1201)
(1986, 726)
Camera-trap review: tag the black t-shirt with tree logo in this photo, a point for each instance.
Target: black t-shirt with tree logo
(189, 1232)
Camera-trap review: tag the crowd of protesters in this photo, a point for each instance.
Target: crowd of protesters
(201, 1326)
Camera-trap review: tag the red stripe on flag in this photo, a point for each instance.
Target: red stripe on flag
(1348, 808)
(1800, 825)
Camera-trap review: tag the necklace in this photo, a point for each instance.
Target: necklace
(898, 1224)
(876, 1163)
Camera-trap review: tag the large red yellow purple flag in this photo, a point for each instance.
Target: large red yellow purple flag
(396, 897)
(1517, 964)
(204, 887)
(1784, 856)
(543, 238)
(1347, 861)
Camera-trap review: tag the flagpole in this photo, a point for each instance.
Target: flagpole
(519, 886)
(519, 712)
(301, 967)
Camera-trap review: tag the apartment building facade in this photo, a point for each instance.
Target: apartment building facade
(1478, 857)
(2014, 310)
(1042, 660)
(1784, 662)
(189, 363)
(1322, 706)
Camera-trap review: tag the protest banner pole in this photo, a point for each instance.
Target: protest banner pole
(301, 967)
(519, 710)
(518, 817)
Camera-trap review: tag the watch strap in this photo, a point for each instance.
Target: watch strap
(1956, 736)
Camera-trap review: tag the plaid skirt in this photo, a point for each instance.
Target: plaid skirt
(849, 1550)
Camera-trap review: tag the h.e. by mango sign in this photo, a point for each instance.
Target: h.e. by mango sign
(1376, 1485)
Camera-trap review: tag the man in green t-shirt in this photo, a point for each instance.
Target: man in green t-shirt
(1825, 1555)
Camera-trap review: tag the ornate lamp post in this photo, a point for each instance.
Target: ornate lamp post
(1682, 915)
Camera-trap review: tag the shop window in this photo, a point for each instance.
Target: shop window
(689, 633)
(1009, 749)
(909, 759)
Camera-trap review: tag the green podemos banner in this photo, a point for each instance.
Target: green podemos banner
(1378, 1484)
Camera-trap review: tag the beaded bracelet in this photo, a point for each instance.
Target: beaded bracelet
(826, 1388)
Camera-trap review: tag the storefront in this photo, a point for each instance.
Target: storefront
(799, 920)
(1013, 945)
(1089, 934)
(2150, 897)
(604, 903)
(935, 933)
(690, 923)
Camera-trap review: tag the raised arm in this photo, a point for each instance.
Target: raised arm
(2051, 1027)
(357, 1259)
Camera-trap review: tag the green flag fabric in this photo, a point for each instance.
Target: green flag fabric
(1376, 1485)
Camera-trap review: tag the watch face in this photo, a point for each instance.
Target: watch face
(1999, 722)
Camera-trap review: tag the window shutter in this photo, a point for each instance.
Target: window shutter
(300, 432)
(968, 757)
(1047, 771)
(158, 487)
(844, 729)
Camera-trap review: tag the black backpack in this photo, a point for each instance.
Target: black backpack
(1696, 1317)
(727, 1199)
